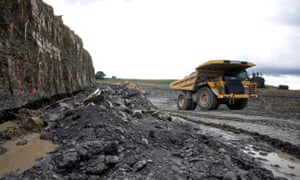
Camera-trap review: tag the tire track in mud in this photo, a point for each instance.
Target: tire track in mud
(221, 121)
(266, 121)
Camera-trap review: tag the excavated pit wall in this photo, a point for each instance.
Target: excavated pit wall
(40, 57)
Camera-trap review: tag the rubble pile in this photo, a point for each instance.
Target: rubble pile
(116, 133)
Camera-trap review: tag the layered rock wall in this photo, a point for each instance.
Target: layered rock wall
(40, 57)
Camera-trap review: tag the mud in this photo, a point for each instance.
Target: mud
(22, 153)
(115, 132)
(281, 164)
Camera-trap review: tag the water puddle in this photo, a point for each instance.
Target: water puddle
(158, 101)
(19, 158)
(281, 164)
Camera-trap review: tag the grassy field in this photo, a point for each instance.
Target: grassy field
(151, 82)
(166, 82)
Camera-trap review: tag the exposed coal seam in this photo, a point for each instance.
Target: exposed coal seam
(9, 114)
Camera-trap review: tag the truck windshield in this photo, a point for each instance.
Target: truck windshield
(243, 75)
(239, 74)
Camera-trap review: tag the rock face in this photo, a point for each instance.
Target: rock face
(40, 57)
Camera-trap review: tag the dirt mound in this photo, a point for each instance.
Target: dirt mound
(116, 133)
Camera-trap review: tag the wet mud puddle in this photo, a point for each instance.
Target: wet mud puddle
(22, 152)
(281, 164)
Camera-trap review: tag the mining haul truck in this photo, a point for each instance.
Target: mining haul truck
(216, 82)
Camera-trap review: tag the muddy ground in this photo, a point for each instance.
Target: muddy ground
(128, 132)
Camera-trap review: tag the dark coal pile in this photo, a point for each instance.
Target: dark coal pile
(116, 133)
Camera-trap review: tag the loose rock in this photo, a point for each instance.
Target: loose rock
(22, 142)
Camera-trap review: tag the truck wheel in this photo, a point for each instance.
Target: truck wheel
(183, 103)
(238, 104)
(206, 99)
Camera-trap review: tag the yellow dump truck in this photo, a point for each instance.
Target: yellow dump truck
(216, 82)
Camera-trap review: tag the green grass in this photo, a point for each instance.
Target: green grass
(142, 81)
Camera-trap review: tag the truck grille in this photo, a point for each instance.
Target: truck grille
(233, 85)
(252, 88)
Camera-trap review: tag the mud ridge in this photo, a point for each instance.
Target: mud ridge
(276, 143)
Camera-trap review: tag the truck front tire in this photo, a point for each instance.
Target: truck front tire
(206, 99)
(238, 104)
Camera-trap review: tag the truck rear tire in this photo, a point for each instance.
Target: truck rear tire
(238, 104)
(185, 103)
(206, 99)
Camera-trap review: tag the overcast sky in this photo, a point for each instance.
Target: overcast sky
(167, 39)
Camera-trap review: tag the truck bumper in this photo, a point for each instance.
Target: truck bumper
(236, 96)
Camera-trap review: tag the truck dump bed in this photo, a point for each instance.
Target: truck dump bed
(208, 71)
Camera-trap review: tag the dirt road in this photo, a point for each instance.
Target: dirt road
(272, 120)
